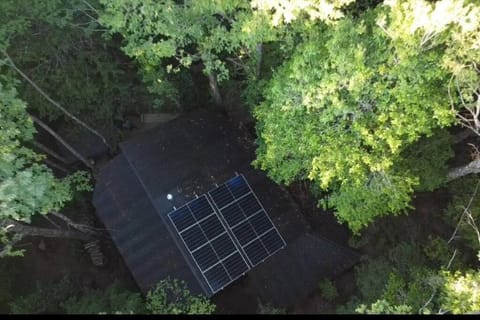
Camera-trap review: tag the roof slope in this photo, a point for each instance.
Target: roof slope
(187, 157)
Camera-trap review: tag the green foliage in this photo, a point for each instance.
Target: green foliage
(403, 277)
(464, 209)
(9, 272)
(328, 290)
(371, 278)
(358, 109)
(222, 36)
(449, 25)
(115, 299)
(64, 297)
(27, 187)
(279, 13)
(46, 298)
(269, 309)
(412, 278)
(59, 45)
(460, 292)
(171, 296)
(439, 252)
(157, 36)
(427, 159)
(383, 307)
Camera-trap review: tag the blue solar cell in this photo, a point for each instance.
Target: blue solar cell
(272, 241)
(223, 246)
(238, 186)
(214, 247)
(235, 265)
(205, 257)
(193, 237)
(221, 196)
(256, 252)
(233, 214)
(217, 277)
(249, 205)
(182, 218)
(200, 208)
(244, 233)
(212, 226)
(261, 223)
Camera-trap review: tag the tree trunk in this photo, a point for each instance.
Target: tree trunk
(27, 230)
(472, 167)
(215, 91)
(66, 144)
(80, 227)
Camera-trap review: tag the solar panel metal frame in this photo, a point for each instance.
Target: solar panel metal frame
(209, 241)
(230, 229)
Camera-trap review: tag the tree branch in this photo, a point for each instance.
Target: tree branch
(27, 230)
(469, 168)
(56, 166)
(56, 104)
(63, 142)
(80, 227)
(50, 152)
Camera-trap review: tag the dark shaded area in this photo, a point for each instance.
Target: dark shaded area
(187, 157)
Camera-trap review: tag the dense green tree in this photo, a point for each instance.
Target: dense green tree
(460, 292)
(27, 187)
(171, 296)
(113, 300)
(66, 296)
(220, 36)
(59, 46)
(348, 108)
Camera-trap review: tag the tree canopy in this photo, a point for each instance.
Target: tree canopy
(355, 96)
(362, 99)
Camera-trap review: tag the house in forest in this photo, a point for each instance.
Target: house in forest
(159, 171)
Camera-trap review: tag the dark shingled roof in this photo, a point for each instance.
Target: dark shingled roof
(186, 157)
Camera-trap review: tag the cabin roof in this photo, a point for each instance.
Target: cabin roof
(187, 157)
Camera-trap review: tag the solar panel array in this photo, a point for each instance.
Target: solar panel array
(245, 216)
(209, 243)
(229, 237)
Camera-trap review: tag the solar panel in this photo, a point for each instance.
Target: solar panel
(208, 242)
(250, 225)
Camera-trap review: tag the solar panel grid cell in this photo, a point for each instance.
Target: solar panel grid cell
(182, 218)
(272, 241)
(249, 223)
(222, 196)
(217, 277)
(208, 242)
(233, 214)
(235, 265)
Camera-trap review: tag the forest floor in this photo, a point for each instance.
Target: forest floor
(50, 259)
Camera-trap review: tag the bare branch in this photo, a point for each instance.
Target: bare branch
(56, 104)
(27, 230)
(50, 152)
(466, 209)
(63, 142)
(80, 227)
(56, 166)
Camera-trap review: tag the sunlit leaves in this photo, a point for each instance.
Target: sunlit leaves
(343, 109)
(281, 11)
(461, 291)
(27, 187)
